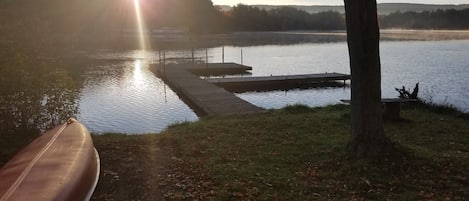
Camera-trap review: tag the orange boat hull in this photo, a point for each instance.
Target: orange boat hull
(61, 164)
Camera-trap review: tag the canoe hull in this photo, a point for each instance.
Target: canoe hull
(61, 164)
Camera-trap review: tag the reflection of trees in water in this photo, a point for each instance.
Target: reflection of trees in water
(35, 94)
(36, 89)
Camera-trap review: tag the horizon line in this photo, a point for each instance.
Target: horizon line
(436, 4)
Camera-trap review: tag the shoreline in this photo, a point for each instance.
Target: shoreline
(295, 153)
(244, 39)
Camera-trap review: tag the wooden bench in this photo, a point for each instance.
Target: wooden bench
(392, 107)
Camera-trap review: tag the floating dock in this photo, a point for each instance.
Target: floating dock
(210, 96)
(266, 83)
(214, 68)
(203, 97)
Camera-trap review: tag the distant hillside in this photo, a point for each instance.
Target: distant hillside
(383, 9)
(387, 8)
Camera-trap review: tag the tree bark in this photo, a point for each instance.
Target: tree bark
(367, 139)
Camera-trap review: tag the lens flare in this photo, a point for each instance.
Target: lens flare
(140, 25)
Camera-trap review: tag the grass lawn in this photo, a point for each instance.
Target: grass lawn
(296, 153)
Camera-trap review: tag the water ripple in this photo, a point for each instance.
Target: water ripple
(132, 102)
(126, 97)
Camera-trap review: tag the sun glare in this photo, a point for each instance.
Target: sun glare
(137, 74)
(138, 16)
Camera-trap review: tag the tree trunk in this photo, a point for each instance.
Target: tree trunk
(367, 138)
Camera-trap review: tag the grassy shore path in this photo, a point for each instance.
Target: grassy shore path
(296, 153)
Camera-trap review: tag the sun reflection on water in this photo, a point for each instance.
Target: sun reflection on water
(138, 74)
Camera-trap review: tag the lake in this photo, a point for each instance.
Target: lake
(124, 96)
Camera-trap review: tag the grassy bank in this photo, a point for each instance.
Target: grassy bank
(296, 153)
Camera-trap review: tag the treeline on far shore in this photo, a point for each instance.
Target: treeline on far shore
(243, 17)
(439, 19)
(82, 19)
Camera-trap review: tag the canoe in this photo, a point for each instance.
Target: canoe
(61, 164)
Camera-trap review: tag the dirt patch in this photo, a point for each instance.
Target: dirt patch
(132, 167)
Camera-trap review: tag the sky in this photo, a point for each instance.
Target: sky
(329, 2)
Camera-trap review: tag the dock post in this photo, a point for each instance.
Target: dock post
(192, 50)
(159, 56)
(206, 57)
(223, 54)
(241, 56)
(165, 94)
(164, 64)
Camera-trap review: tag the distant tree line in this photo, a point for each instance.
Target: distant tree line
(249, 18)
(79, 19)
(439, 19)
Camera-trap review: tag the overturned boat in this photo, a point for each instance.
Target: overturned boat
(61, 164)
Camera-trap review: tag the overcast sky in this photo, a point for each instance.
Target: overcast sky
(329, 2)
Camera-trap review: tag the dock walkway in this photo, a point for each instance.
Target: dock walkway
(207, 97)
(280, 82)
(202, 96)
(323, 77)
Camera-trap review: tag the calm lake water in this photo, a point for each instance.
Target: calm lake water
(123, 96)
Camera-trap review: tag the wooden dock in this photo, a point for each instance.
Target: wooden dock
(203, 97)
(266, 83)
(214, 68)
(207, 97)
